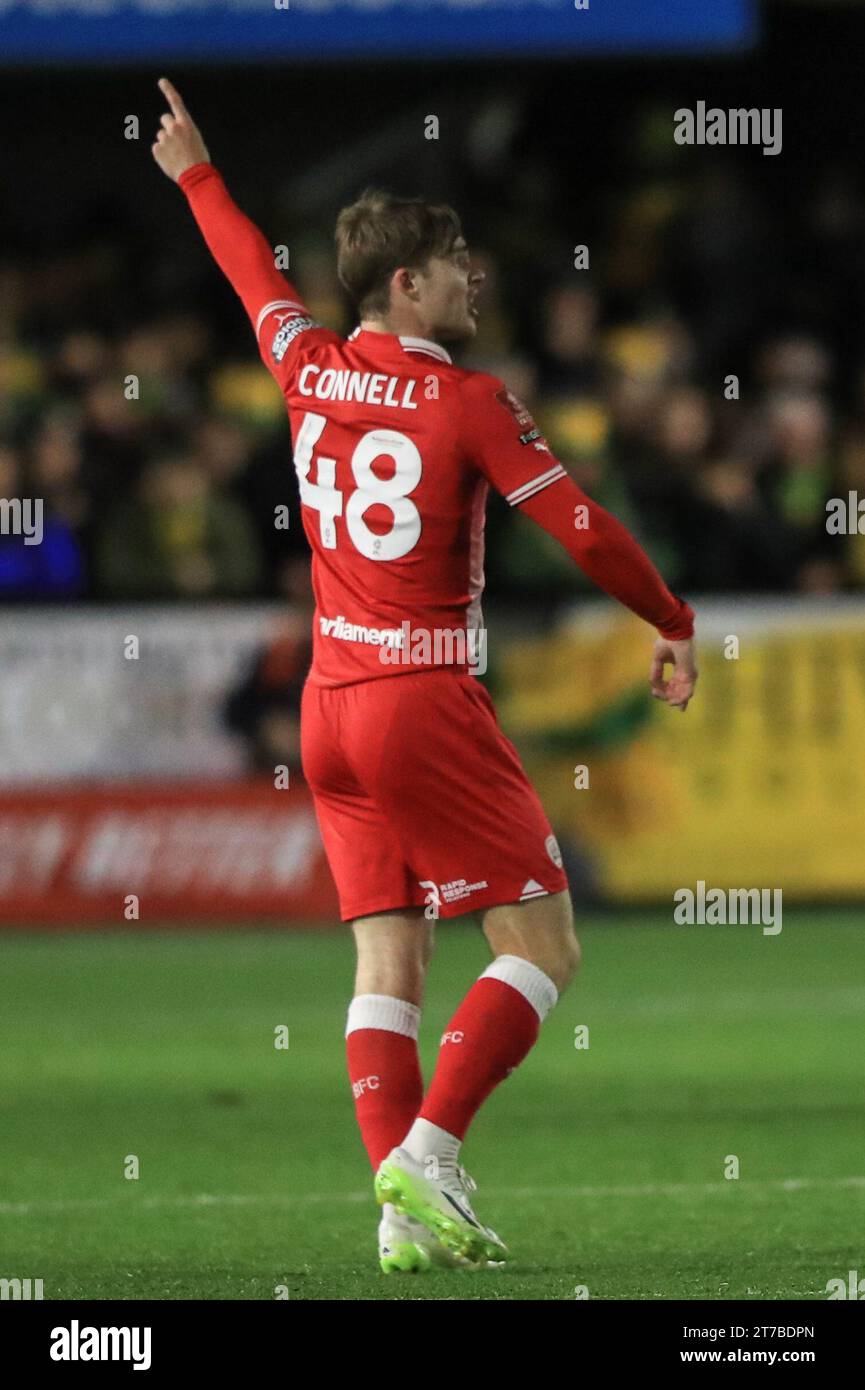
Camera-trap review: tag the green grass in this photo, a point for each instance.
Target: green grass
(601, 1167)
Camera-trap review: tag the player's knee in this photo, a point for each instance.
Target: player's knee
(561, 942)
(558, 956)
(541, 932)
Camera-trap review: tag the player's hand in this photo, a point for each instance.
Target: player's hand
(178, 145)
(679, 688)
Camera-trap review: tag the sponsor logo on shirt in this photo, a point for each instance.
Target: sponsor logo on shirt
(345, 631)
(288, 332)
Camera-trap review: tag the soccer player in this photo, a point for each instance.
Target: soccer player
(424, 808)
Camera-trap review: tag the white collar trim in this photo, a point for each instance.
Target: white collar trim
(416, 345)
(424, 345)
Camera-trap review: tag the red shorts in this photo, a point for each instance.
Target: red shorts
(421, 799)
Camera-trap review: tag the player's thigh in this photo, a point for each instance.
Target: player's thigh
(540, 931)
(393, 952)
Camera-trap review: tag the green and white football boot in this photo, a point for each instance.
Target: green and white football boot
(441, 1205)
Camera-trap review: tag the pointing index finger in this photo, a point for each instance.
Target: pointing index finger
(173, 97)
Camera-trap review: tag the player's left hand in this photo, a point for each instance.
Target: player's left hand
(682, 656)
(178, 145)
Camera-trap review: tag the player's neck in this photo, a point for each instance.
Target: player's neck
(398, 326)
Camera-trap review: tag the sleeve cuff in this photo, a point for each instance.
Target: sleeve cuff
(195, 174)
(679, 627)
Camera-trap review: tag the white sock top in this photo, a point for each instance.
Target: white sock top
(531, 982)
(385, 1012)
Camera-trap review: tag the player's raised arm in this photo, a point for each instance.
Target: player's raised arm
(178, 145)
(239, 248)
(510, 450)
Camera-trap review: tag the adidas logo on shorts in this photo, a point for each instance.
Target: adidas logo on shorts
(532, 889)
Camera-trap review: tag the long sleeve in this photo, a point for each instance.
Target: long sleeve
(608, 554)
(275, 309)
(506, 445)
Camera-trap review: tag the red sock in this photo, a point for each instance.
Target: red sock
(493, 1029)
(384, 1069)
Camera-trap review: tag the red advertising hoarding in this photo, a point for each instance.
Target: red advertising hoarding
(168, 851)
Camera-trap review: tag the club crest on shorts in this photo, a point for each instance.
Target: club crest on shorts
(552, 847)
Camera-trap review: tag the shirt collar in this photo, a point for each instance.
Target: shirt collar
(406, 344)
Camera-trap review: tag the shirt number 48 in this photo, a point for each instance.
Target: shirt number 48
(326, 498)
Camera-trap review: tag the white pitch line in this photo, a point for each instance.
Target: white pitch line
(227, 1199)
(675, 1189)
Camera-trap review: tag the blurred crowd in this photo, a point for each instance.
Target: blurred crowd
(700, 377)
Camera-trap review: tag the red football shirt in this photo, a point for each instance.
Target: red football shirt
(395, 448)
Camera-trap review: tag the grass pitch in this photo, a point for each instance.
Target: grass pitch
(603, 1168)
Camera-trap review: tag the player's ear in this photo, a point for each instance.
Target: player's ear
(404, 281)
